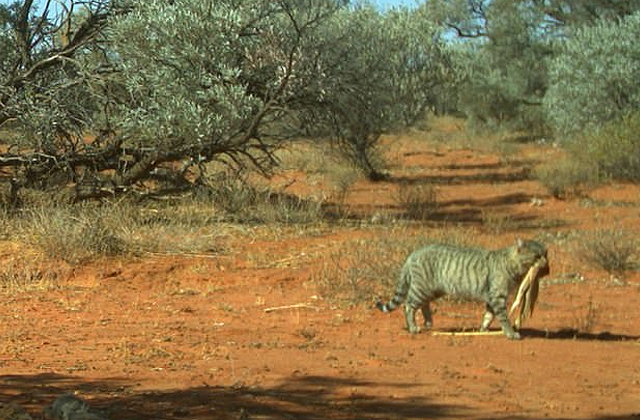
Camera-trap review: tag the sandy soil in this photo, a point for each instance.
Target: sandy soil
(192, 337)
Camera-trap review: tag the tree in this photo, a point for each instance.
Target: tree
(504, 49)
(379, 72)
(594, 77)
(49, 88)
(144, 94)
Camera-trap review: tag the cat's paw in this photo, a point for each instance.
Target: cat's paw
(514, 336)
(414, 329)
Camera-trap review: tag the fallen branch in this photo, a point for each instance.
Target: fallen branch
(466, 332)
(297, 305)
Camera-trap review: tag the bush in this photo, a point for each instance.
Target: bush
(418, 201)
(613, 149)
(567, 177)
(612, 250)
(594, 79)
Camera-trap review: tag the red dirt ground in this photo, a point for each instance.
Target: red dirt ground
(188, 337)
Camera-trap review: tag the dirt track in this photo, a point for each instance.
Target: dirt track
(179, 337)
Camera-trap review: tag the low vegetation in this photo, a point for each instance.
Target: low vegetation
(612, 250)
(417, 201)
(359, 270)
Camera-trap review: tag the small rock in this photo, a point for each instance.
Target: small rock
(70, 407)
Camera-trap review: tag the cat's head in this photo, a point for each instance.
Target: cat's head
(528, 253)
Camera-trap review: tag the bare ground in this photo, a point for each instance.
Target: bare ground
(250, 334)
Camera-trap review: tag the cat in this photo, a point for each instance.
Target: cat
(488, 275)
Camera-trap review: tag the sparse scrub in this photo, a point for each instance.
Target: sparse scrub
(243, 202)
(586, 322)
(498, 222)
(417, 201)
(614, 148)
(360, 270)
(567, 177)
(74, 235)
(27, 272)
(612, 250)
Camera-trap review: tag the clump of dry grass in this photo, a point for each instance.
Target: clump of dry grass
(567, 177)
(417, 201)
(242, 202)
(74, 234)
(359, 270)
(498, 222)
(26, 271)
(613, 250)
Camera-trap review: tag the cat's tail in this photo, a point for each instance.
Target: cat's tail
(400, 295)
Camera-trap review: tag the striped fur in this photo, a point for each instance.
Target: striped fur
(475, 273)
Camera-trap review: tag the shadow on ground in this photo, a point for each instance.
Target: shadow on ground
(305, 398)
(574, 334)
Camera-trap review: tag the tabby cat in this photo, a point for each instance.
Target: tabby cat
(438, 270)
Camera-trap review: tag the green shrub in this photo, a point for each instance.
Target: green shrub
(614, 149)
(594, 78)
(567, 177)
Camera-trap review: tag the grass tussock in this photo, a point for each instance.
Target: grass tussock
(75, 234)
(417, 201)
(612, 250)
(361, 270)
(567, 178)
(191, 223)
(25, 271)
(242, 202)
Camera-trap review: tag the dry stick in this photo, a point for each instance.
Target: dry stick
(466, 332)
(297, 305)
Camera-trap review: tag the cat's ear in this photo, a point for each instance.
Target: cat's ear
(519, 243)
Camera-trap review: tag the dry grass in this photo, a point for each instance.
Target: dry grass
(498, 222)
(26, 271)
(360, 270)
(567, 177)
(417, 201)
(586, 317)
(613, 250)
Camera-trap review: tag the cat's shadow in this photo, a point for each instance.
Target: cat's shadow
(574, 334)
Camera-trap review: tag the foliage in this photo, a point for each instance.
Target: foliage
(52, 86)
(612, 149)
(110, 97)
(504, 50)
(593, 79)
(501, 63)
(380, 73)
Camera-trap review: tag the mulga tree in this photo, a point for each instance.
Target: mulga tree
(380, 74)
(594, 78)
(504, 48)
(212, 80)
(500, 59)
(52, 86)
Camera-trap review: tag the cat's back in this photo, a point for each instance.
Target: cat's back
(446, 257)
(448, 269)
